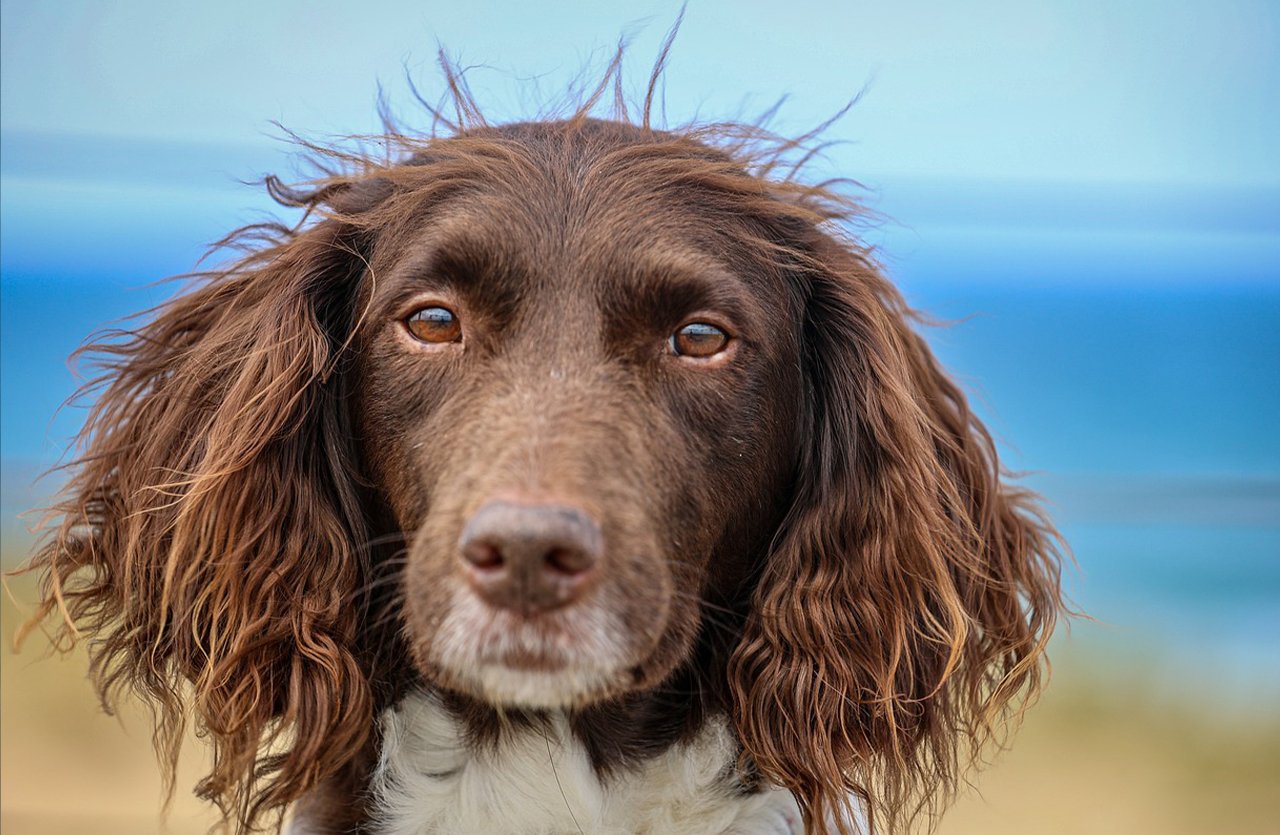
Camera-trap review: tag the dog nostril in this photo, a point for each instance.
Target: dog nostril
(483, 556)
(530, 557)
(568, 561)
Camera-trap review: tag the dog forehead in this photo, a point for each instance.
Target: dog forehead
(571, 181)
(564, 242)
(593, 221)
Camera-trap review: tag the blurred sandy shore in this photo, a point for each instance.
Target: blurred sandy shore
(1108, 750)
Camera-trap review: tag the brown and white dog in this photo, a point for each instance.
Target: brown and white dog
(561, 476)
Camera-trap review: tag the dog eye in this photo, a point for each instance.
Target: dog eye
(434, 324)
(698, 340)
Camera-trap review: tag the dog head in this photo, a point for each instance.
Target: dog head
(612, 391)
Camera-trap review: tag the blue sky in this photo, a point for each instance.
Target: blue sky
(1181, 92)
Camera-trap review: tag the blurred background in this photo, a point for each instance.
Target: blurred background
(1089, 192)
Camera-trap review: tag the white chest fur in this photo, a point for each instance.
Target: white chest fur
(429, 781)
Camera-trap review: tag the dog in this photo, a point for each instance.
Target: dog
(570, 475)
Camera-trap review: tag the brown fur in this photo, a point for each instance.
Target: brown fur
(814, 538)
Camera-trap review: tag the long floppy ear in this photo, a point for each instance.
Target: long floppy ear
(208, 532)
(903, 612)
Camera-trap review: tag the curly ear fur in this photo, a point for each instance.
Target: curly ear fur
(207, 531)
(904, 610)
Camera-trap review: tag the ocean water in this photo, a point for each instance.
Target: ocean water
(1129, 366)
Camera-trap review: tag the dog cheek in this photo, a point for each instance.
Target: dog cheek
(642, 593)
(429, 587)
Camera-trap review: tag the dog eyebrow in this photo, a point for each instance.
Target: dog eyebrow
(673, 285)
(457, 259)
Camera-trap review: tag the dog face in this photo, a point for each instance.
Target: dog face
(633, 404)
(577, 391)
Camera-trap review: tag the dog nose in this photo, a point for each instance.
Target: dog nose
(530, 558)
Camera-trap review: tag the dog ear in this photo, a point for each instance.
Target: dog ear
(210, 531)
(903, 612)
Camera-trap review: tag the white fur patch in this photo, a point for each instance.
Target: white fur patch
(429, 781)
(583, 642)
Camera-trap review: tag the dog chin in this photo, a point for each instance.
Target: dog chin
(504, 686)
(563, 659)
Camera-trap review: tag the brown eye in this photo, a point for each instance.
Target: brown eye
(434, 324)
(698, 340)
